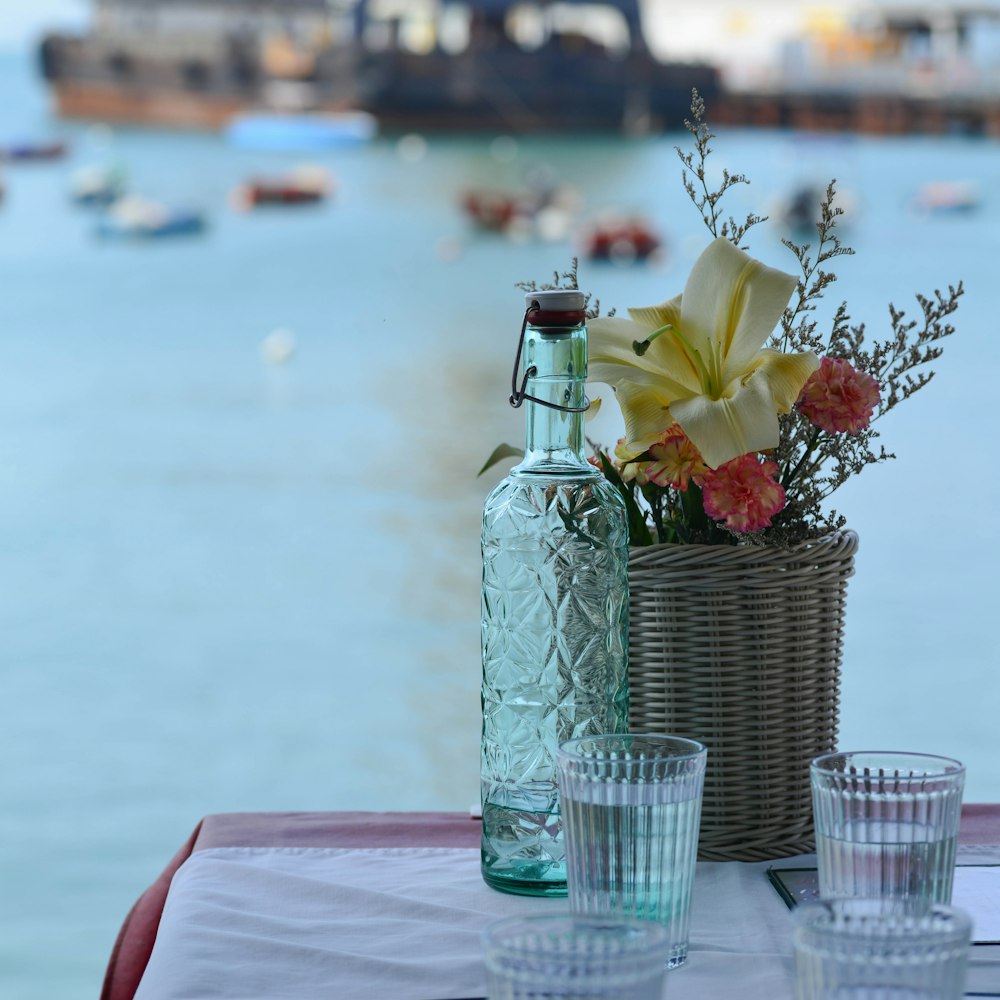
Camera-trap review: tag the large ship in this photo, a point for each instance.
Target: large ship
(531, 66)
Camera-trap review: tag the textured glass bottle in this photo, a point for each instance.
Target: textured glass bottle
(554, 607)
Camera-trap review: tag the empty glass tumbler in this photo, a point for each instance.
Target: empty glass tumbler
(574, 958)
(631, 806)
(886, 824)
(880, 949)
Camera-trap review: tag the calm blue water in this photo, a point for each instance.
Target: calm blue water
(232, 586)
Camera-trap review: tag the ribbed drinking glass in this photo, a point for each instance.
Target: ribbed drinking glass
(631, 808)
(574, 958)
(886, 823)
(880, 949)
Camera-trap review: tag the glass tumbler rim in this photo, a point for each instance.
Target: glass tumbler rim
(939, 766)
(885, 919)
(685, 749)
(638, 941)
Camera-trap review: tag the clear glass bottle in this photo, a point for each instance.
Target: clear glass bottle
(554, 606)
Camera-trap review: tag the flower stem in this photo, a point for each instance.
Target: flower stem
(789, 477)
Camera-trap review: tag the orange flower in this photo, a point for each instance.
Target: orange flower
(743, 493)
(677, 460)
(629, 468)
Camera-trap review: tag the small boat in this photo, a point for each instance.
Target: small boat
(302, 186)
(97, 185)
(495, 211)
(800, 211)
(133, 217)
(275, 130)
(621, 240)
(545, 211)
(947, 197)
(23, 152)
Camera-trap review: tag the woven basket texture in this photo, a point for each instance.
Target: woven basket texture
(740, 647)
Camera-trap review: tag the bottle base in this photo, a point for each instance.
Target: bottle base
(529, 880)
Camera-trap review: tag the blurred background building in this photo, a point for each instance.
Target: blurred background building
(536, 66)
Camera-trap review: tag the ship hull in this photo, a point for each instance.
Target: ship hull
(505, 90)
(154, 108)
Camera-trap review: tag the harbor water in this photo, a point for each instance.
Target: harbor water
(230, 584)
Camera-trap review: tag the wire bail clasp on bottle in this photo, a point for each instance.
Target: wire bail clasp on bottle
(518, 395)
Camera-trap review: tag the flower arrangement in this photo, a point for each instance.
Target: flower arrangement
(741, 416)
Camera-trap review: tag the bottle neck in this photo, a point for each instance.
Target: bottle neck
(554, 439)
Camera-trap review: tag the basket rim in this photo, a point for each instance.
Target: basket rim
(837, 545)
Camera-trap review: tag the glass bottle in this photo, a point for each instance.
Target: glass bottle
(554, 606)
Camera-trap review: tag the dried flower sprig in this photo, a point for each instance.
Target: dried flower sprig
(727, 442)
(705, 199)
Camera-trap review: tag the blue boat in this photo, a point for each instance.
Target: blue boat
(139, 218)
(272, 130)
(98, 185)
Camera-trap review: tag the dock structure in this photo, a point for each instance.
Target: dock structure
(873, 66)
(875, 114)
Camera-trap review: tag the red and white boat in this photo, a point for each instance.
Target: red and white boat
(302, 186)
(621, 240)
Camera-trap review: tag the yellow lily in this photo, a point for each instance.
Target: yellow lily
(698, 359)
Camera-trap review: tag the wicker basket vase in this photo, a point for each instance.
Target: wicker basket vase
(740, 647)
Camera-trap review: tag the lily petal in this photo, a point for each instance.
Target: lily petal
(667, 313)
(610, 341)
(613, 360)
(665, 351)
(786, 374)
(646, 412)
(734, 301)
(722, 429)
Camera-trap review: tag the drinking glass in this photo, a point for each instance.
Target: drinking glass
(631, 806)
(880, 949)
(886, 823)
(574, 958)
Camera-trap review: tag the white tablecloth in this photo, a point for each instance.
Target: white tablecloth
(404, 924)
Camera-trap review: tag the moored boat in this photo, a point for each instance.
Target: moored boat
(947, 197)
(24, 152)
(798, 212)
(302, 186)
(133, 217)
(621, 239)
(98, 185)
(300, 131)
(542, 212)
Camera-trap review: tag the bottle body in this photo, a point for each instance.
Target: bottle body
(555, 607)
(554, 628)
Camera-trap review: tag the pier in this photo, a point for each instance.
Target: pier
(877, 114)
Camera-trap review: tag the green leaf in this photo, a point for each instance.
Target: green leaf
(638, 529)
(698, 522)
(500, 452)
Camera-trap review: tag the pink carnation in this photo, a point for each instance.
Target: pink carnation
(743, 493)
(838, 398)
